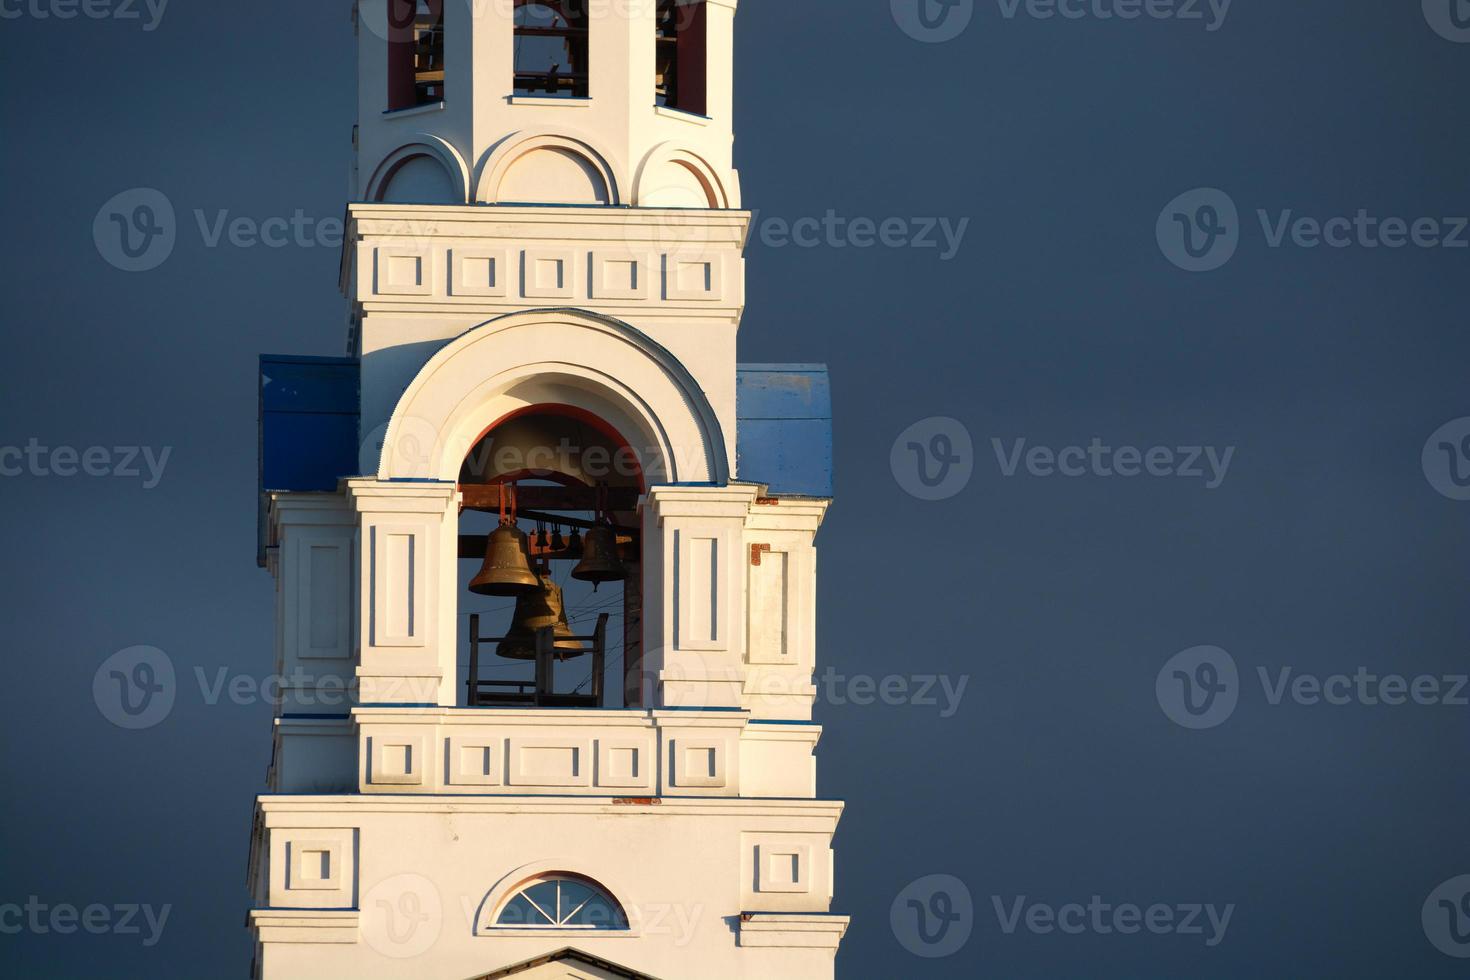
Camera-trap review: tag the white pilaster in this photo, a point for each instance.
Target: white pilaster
(407, 536)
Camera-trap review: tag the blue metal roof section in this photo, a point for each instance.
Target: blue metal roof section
(784, 418)
(308, 425)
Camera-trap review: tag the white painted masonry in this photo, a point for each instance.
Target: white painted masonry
(393, 830)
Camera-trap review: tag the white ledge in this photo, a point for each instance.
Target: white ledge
(304, 925)
(792, 930)
(570, 102)
(413, 110)
(683, 115)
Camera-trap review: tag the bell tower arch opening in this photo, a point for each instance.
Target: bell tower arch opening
(550, 564)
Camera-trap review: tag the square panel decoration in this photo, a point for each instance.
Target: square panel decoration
(403, 272)
(546, 273)
(396, 760)
(478, 271)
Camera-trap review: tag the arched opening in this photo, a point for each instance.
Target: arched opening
(550, 611)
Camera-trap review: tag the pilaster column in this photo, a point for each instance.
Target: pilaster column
(694, 594)
(407, 536)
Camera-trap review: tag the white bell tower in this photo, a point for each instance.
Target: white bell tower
(544, 264)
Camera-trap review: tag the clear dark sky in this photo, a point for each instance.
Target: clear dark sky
(1057, 600)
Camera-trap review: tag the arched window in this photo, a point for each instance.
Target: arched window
(551, 48)
(561, 901)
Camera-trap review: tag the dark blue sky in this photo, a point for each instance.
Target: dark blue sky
(1059, 320)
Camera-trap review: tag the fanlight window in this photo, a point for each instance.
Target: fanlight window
(551, 48)
(561, 902)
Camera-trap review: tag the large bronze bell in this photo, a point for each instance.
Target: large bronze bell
(507, 567)
(537, 610)
(600, 560)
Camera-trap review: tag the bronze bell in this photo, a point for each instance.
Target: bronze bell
(507, 567)
(600, 560)
(537, 610)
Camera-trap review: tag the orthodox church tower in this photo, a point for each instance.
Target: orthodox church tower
(543, 551)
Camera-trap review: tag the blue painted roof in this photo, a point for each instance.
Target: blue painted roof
(784, 418)
(308, 425)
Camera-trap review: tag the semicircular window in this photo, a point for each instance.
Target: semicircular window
(561, 902)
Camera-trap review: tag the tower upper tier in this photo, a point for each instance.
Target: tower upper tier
(610, 102)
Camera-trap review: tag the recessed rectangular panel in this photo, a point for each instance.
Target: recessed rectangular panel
(770, 604)
(318, 605)
(477, 272)
(546, 273)
(702, 560)
(549, 762)
(474, 761)
(698, 278)
(624, 763)
(699, 763)
(328, 600)
(397, 608)
(619, 275)
(403, 272)
(399, 605)
(784, 868)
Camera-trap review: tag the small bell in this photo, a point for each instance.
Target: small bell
(558, 543)
(600, 560)
(575, 544)
(537, 610)
(507, 567)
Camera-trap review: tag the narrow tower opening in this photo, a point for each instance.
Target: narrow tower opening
(415, 53)
(680, 66)
(551, 41)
